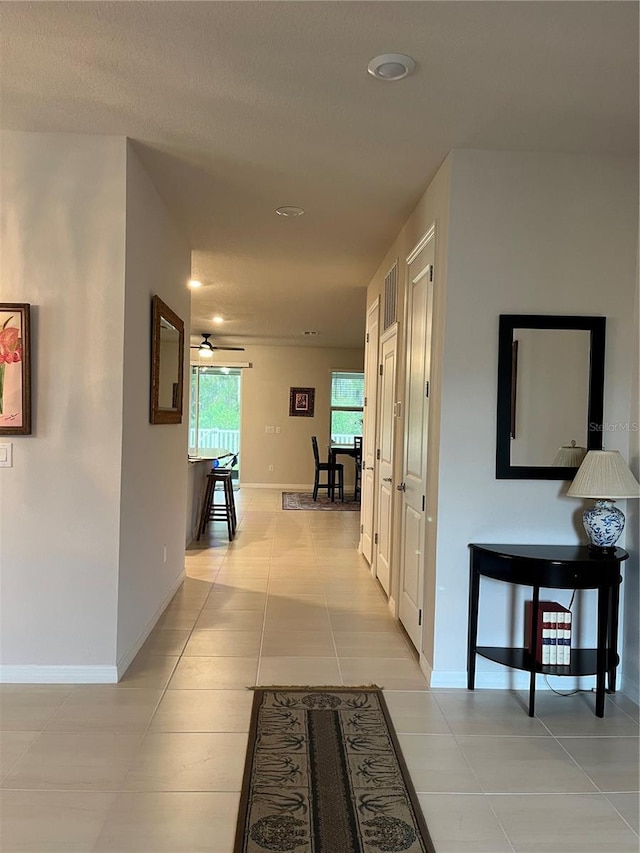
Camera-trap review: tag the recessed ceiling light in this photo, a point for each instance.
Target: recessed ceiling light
(289, 210)
(391, 66)
(218, 320)
(194, 283)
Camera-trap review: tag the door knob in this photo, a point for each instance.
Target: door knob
(387, 479)
(369, 467)
(401, 487)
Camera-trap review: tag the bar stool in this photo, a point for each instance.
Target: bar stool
(225, 511)
(357, 446)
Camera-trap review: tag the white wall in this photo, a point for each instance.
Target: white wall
(154, 467)
(630, 681)
(62, 249)
(528, 233)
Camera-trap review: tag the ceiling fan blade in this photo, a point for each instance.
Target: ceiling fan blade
(230, 349)
(211, 348)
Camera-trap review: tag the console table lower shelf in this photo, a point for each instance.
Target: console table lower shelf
(583, 661)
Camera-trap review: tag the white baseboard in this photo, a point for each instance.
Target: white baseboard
(37, 674)
(630, 688)
(86, 674)
(127, 658)
(427, 671)
(512, 679)
(287, 487)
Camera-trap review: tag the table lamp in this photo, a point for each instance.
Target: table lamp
(569, 456)
(605, 476)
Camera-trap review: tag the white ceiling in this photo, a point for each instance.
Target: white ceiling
(240, 107)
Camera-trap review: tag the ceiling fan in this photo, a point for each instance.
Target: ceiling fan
(206, 348)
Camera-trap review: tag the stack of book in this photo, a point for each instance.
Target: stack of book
(553, 633)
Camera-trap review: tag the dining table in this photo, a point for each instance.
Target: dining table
(346, 450)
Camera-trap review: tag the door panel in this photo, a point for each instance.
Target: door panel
(383, 557)
(369, 433)
(384, 518)
(413, 508)
(413, 542)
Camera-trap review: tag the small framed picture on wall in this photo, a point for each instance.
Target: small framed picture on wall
(301, 402)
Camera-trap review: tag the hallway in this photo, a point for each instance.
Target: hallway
(154, 764)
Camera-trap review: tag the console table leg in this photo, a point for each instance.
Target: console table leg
(612, 642)
(601, 654)
(472, 639)
(532, 694)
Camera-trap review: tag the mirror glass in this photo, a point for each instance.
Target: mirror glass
(169, 368)
(550, 394)
(167, 364)
(551, 388)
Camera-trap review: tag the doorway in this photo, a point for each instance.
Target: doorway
(214, 412)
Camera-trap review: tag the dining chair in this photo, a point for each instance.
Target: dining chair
(357, 444)
(331, 471)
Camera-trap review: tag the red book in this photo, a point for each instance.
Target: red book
(543, 630)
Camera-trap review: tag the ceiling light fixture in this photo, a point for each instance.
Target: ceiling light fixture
(391, 66)
(194, 283)
(289, 211)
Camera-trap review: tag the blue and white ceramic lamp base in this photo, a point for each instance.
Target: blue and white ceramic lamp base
(603, 523)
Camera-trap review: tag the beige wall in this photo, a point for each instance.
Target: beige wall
(154, 469)
(528, 233)
(62, 250)
(96, 491)
(631, 599)
(515, 233)
(265, 402)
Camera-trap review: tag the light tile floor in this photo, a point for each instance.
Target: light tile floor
(154, 764)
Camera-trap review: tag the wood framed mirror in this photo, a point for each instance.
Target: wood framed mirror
(167, 364)
(550, 393)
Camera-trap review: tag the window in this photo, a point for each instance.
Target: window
(214, 415)
(347, 402)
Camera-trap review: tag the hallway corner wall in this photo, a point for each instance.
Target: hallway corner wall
(528, 233)
(62, 249)
(154, 456)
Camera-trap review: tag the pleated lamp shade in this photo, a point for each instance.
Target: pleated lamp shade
(604, 474)
(569, 456)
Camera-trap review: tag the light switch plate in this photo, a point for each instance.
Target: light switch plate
(6, 454)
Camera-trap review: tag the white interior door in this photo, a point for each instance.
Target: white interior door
(385, 488)
(367, 486)
(414, 475)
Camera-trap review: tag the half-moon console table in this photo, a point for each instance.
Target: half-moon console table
(550, 567)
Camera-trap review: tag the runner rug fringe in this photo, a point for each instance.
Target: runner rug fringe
(324, 774)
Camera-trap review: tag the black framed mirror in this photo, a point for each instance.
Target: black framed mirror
(550, 394)
(167, 364)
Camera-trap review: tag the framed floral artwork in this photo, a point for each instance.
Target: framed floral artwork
(301, 402)
(15, 369)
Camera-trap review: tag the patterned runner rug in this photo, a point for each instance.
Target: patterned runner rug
(304, 500)
(324, 774)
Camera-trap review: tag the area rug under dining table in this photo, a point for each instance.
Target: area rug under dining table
(324, 774)
(304, 500)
